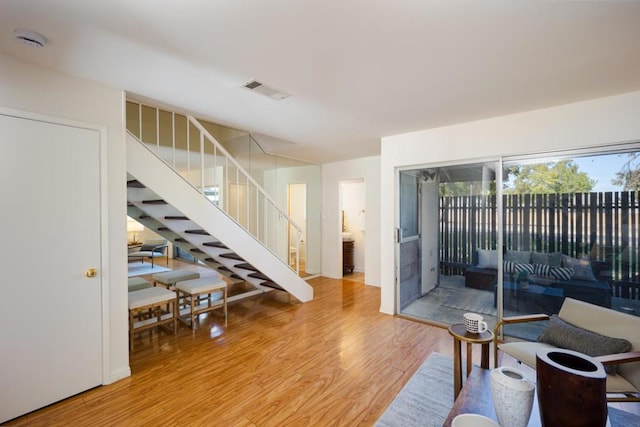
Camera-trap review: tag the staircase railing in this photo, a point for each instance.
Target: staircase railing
(190, 150)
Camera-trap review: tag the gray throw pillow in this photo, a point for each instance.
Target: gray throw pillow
(568, 336)
(522, 257)
(553, 259)
(581, 267)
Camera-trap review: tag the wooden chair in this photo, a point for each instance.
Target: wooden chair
(624, 386)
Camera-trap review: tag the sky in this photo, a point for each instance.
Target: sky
(602, 169)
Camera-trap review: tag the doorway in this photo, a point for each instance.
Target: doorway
(353, 225)
(297, 210)
(51, 200)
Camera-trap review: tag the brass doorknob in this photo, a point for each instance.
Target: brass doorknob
(91, 273)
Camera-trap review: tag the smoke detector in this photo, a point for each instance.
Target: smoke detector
(30, 38)
(265, 90)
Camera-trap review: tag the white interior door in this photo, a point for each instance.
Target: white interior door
(50, 311)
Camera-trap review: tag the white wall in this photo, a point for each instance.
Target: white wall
(586, 124)
(34, 89)
(367, 168)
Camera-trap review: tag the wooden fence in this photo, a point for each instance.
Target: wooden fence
(603, 225)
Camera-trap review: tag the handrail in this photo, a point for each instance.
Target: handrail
(228, 160)
(219, 146)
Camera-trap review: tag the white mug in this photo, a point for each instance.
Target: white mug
(474, 323)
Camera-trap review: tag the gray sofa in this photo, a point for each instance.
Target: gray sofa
(539, 282)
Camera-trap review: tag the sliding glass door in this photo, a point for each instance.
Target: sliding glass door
(551, 227)
(571, 230)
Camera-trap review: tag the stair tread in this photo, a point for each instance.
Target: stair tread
(134, 183)
(197, 250)
(271, 284)
(154, 202)
(215, 245)
(232, 255)
(197, 231)
(258, 275)
(176, 217)
(246, 266)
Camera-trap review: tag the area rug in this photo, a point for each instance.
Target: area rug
(141, 268)
(427, 397)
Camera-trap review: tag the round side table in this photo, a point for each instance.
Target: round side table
(459, 333)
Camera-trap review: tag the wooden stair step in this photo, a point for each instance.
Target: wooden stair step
(197, 251)
(162, 229)
(216, 245)
(270, 284)
(224, 268)
(198, 231)
(134, 183)
(181, 240)
(258, 275)
(179, 217)
(246, 266)
(154, 202)
(235, 276)
(232, 255)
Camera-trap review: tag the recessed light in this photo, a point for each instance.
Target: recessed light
(30, 38)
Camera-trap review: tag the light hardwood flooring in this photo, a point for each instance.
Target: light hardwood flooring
(333, 361)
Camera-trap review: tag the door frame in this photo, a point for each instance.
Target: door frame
(104, 224)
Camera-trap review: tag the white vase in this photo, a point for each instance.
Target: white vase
(512, 396)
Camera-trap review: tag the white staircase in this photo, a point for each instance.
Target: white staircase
(166, 202)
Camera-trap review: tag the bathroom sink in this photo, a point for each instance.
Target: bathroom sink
(346, 235)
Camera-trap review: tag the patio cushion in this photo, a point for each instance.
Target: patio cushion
(553, 259)
(487, 258)
(582, 268)
(522, 257)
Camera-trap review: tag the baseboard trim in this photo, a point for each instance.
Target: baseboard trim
(119, 374)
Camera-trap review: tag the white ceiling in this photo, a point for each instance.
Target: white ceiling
(357, 70)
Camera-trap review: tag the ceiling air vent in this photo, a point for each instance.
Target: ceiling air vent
(265, 90)
(30, 38)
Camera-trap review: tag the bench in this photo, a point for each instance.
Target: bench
(149, 308)
(170, 278)
(202, 295)
(137, 283)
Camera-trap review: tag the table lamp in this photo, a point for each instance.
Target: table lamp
(134, 227)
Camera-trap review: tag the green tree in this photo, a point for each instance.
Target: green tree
(629, 175)
(549, 178)
(470, 188)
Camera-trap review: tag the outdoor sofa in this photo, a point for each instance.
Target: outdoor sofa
(539, 282)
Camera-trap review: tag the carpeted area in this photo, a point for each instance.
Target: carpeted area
(427, 397)
(142, 268)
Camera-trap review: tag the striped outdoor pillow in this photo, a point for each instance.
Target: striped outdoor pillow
(562, 273)
(523, 268)
(541, 269)
(509, 266)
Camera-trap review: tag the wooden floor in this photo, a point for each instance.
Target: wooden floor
(333, 361)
